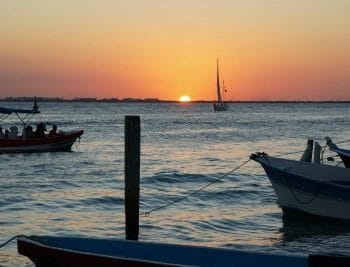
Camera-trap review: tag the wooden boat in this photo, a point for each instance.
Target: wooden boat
(61, 141)
(316, 189)
(220, 105)
(69, 251)
(75, 252)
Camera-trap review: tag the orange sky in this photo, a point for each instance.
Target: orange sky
(268, 50)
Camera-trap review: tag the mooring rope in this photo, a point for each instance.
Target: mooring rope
(292, 191)
(146, 214)
(304, 202)
(344, 141)
(77, 143)
(205, 186)
(11, 239)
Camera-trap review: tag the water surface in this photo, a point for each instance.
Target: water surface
(184, 146)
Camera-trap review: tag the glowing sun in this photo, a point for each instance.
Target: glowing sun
(185, 98)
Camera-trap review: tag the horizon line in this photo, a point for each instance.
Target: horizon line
(156, 100)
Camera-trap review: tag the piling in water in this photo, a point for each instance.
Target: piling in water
(132, 176)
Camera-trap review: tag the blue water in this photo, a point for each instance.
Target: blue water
(184, 146)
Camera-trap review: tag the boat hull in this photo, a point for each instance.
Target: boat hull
(61, 142)
(316, 192)
(60, 251)
(220, 107)
(311, 204)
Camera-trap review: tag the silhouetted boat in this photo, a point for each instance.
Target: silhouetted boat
(62, 141)
(68, 251)
(308, 187)
(220, 105)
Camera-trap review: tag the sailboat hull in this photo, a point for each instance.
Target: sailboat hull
(220, 107)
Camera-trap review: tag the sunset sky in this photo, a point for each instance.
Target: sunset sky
(268, 50)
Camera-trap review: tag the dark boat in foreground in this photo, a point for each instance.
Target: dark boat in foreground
(62, 141)
(68, 251)
(88, 252)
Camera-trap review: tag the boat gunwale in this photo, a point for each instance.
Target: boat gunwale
(194, 255)
(311, 166)
(125, 261)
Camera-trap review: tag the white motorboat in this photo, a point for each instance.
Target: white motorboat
(313, 188)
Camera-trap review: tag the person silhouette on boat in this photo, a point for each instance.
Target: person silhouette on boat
(53, 131)
(40, 130)
(2, 135)
(28, 132)
(13, 134)
(7, 132)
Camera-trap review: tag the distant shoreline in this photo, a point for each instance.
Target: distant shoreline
(153, 100)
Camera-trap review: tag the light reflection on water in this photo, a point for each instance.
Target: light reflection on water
(183, 148)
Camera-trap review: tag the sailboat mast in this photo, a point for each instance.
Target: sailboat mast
(218, 80)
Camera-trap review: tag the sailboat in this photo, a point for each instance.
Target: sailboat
(219, 105)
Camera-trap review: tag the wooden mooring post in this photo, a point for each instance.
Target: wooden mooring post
(132, 176)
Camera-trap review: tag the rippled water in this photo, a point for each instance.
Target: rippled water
(183, 148)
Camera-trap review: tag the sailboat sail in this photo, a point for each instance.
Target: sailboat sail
(218, 81)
